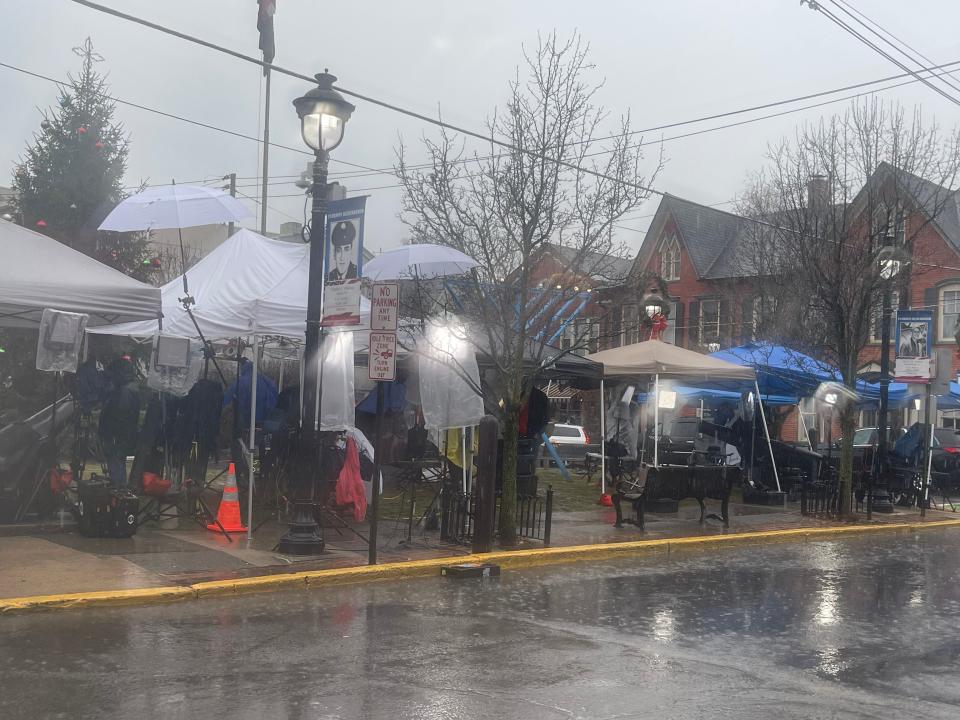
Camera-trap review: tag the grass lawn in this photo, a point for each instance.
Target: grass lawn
(568, 495)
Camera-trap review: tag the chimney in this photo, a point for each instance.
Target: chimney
(818, 193)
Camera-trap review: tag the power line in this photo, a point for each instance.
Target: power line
(271, 207)
(818, 7)
(181, 118)
(365, 171)
(890, 39)
(454, 128)
(410, 113)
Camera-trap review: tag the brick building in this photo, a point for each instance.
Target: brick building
(699, 253)
(579, 286)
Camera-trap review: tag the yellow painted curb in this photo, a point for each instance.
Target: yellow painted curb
(424, 568)
(239, 586)
(136, 596)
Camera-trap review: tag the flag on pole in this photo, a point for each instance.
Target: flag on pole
(267, 8)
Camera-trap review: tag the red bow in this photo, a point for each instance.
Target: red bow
(659, 324)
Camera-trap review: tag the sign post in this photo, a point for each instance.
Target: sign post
(384, 306)
(382, 367)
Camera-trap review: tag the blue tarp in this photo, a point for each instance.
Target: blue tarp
(711, 394)
(785, 372)
(394, 399)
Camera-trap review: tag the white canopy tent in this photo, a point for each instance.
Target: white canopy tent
(39, 272)
(249, 285)
(657, 358)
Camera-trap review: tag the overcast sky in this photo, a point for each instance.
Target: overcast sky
(663, 61)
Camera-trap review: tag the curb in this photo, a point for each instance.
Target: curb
(425, 568)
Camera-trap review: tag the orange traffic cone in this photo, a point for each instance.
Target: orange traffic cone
(228, 514)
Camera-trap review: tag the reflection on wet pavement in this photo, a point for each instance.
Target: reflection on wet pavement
(863, 628)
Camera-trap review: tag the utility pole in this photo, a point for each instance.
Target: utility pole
(266, 156)
(232, 177)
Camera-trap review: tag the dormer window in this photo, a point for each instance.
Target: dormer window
(670, 258)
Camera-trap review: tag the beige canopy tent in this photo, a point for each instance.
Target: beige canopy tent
(653, 357)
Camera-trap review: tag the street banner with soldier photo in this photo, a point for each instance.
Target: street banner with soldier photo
(914, 336)
(344, 262)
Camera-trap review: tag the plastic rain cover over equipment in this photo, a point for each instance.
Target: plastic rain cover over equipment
(178, 377)
(337, 399)
(446, 360)
(58, 345)
(623, 418)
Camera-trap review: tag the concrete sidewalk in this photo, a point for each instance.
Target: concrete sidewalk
(53, 560)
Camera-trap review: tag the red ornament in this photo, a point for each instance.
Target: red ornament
(99, 145)
(41, 223)
(81, 131)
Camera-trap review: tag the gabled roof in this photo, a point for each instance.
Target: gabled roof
(713, 239)
(717, 242)
(599, 267)
(936, 201)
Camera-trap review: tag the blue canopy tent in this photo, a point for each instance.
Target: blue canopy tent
(784, 372)
(950, 401)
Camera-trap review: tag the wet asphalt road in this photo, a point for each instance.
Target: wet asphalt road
(862, 628)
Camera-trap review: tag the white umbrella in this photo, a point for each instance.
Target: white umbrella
(175, 206)
(418, 261)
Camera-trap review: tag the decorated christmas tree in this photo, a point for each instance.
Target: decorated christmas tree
(71, 175)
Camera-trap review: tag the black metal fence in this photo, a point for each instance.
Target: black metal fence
(459, 513)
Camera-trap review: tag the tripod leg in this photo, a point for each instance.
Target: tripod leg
(210, 515)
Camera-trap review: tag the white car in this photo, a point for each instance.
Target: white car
(569, 435)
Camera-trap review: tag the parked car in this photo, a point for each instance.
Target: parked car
(908, 453)
(869, 436)
(569, 435)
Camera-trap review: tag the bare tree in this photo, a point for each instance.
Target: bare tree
(825, 205)
(558, 181)
(169, 262)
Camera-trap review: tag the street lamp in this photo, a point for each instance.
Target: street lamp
(653, 304)
(830, 398)
(323, 116)
(890, 260)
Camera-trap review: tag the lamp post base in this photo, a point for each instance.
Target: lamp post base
(882, 501)
(305, 536)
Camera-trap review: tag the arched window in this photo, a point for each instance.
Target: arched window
(670, 258)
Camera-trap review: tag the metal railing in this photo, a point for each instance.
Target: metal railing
(458, 516)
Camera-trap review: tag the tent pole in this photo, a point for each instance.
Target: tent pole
(463, 456)
(656, 420)
(603, 441)
(766, 433)
(253, 435)
(469, 461)
(803, 424)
